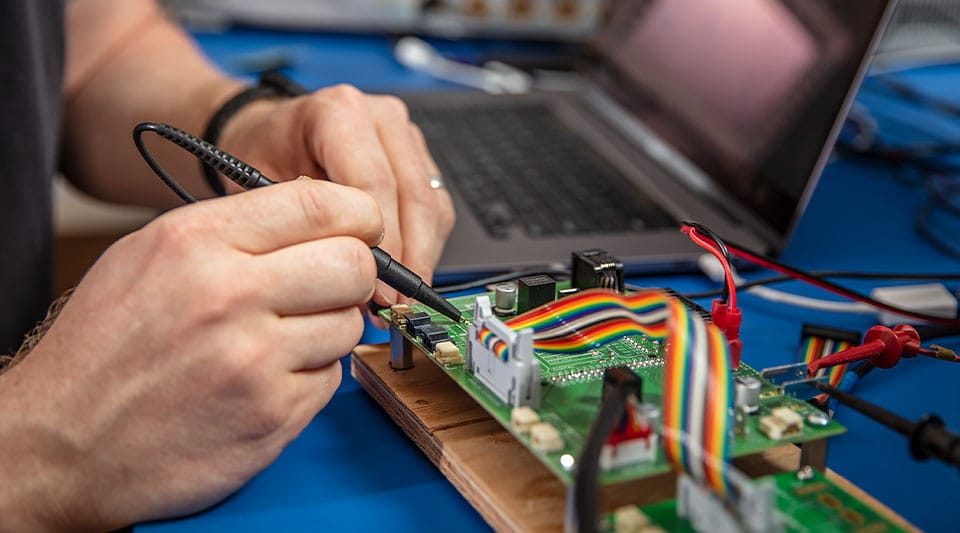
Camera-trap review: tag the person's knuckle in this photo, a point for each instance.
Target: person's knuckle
(343, 95)
(351, 328)
(314, 202)
(268, 417)
(372, 215)
(174, 235)
(417, 133)
(396, 108)
(446, 214)
(382, 182)
(240, 369)
(422, 200)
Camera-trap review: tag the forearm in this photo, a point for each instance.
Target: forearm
(127, 64)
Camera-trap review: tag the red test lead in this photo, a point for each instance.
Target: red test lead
(882, 345)
(724, 313)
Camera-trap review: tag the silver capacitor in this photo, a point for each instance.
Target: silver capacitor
(747, 393)
(504, 298)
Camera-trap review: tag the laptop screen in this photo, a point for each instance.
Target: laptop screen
(748, 90)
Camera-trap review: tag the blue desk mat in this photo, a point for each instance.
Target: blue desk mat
(353, 469)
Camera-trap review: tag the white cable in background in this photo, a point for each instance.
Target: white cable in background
(494, 77)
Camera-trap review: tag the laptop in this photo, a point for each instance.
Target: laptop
(719, 111)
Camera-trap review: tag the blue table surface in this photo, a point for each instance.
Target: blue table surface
(353, 469)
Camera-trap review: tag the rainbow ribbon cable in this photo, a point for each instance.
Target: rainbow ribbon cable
(697, 396)
(494, 344)
(698, 400)
(816, 347)
(593, 318)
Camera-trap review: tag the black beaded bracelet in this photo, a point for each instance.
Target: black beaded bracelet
(272, 85)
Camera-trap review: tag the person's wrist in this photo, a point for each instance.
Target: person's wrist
(246, 135)
(37, 489)
(242, 103)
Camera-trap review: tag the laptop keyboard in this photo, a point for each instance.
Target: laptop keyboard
(519, 166)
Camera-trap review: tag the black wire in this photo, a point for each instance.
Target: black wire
(911, 94)
(703, 230)
(863, 368)
(891, 420)
(586, 484)
(157, 169)
(708, 233)
(506, 276)
(935, 331)
(926, 158)
(822, 283)
(822, 274)
(209, 154)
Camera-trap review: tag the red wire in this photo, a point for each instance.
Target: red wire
(715, 251)
(836, 289)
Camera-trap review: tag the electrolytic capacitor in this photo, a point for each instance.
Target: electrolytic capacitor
(504, 298)
(747, 393)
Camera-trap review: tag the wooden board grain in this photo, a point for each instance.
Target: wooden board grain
(507, 485)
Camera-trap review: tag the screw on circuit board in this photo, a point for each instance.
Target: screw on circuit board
(818, 419)
(805, 473)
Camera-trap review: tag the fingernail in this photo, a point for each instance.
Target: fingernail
(304, 178)
(382, 235)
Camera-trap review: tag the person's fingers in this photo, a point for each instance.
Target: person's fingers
(308, 342)
(421, 208)
(313, 390)
(316, 276)
(423, 254)
(274, 217)
(349, 148)
(427, 157)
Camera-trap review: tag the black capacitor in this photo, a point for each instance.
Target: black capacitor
(415, 321)
(596, 269)
(430, 334)
(534, 291)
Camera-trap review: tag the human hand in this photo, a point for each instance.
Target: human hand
(365, 141)
(191, 353)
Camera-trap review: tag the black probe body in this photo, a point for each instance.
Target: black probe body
(928, 437)
(409, 284)
(390, 271)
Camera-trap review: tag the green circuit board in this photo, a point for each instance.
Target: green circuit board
(571, 394)
(814, 504)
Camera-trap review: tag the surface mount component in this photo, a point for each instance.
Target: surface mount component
(534, 291)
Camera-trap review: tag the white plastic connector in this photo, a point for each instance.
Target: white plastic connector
(928, 298)
(630, 519)
(781, 423)
(545, 437)
(523, 418)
